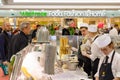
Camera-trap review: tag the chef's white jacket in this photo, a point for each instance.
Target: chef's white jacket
(113, 32)
(115, 64)
(95, 51)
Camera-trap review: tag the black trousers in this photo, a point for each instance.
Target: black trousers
(87, 65)
(95, 67)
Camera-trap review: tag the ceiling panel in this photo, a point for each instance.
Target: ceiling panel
(67, 1)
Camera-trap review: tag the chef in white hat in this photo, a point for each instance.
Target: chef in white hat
(85, 62)
(109, 64)
(90, 49)
(84, 32)
(84, 29)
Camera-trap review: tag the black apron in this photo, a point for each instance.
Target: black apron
(105, 72)
(95, 63)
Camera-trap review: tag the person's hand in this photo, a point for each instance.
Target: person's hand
(96, 78)
(74, 49)
(84, 53)
(83, 47)
(116, 79)
(5, 62)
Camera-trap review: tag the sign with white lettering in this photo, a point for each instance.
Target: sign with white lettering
(60, 13)
(63, 13)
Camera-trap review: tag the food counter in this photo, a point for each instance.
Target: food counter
(29, 65)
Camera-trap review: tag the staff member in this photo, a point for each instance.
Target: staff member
(91, 50)
(114, 31)
(86, 62)
(110, 62)
(84, 32)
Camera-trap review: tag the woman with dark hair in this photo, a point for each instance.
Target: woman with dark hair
(65, 30)
(35, 31)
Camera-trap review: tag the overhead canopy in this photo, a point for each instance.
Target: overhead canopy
(67, 1)
(60, 4)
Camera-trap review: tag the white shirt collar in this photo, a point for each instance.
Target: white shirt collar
(110, 54)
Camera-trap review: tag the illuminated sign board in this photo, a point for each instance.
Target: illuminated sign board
(60, 13)
(63, 13)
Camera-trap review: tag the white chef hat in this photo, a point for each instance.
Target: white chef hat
(84, 25)
(103, 41)
(92, 28)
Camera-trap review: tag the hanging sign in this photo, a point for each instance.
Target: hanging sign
(63, 13)
(60, 13)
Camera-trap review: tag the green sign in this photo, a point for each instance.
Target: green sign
(32, 13)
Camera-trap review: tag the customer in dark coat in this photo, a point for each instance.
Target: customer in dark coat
(0, 29)
(65, 30)
(5, 38)
(35, 31)
(20, 40)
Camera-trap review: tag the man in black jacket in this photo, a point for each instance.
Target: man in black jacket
(5, 38)
(20, 40)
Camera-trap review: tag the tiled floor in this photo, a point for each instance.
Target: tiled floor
(2, 77)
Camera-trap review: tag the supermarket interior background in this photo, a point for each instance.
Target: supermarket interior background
(55, 15)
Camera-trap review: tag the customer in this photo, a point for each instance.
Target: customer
(0, 29)
(20, 40)
(16, 31)
(35, 31)
(5, 38)
(65, 30)
(110, 62)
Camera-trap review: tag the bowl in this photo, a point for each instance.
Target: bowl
(72, 65)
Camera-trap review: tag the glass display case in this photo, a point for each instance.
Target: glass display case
(31, 60)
